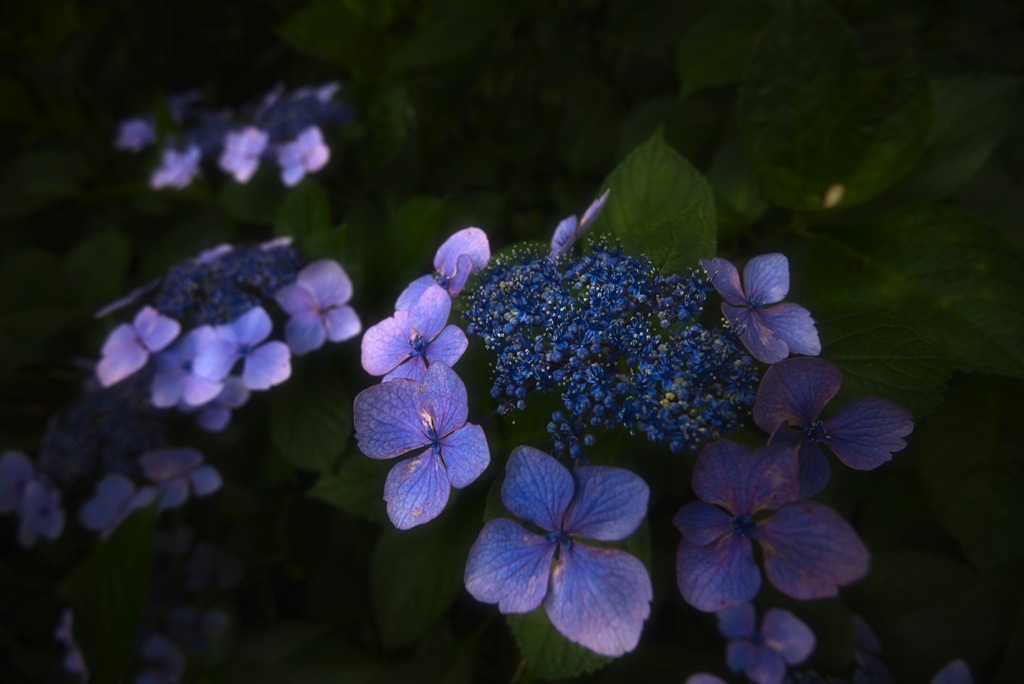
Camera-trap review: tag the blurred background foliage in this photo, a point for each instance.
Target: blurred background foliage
(876, 143)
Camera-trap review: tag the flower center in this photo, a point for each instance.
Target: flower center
(815, 432)
(743, 526)
(417, 344)
(559, 537)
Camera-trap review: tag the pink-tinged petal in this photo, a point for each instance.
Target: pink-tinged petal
(386, 344)
(444, 396)
(795, 391)
(766, 279)
(609, 504)
(167, 388)
(785, 634)
(599, 598)
(466, 455)
(810, 551)
(762, 343)
(510, 566)
(728, 475)
(341, 323)
(956, 672)
(448, 347)
(328, 282)
(865, 432)
(252, 327)
(702, 523)
(155, 331)
(388, 420)
(767, 668)
(717, 575)
(416, 490)
(413, 291)
(216, 359)
(794, 325)
(205, 480)
(197, 390)
(738, 622)
(537, 488)
(16, 471)
(726, 280)
(291, 171)
(430, 312)
(296, 300)
(123, 355)
(564, 237)
(471, 242)
(304, 333)
(414, 368)
(267, 365)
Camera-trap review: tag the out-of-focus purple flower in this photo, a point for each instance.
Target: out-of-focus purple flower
(135, 134)
(176, 380)
(395, 417)
(74, 663)
(177, 471)
(867, 652)
(265, 363)
(177, 168)
(704, 678)
(769, 333)
(464, 253)
(165, 661)
(216, 415)
(194, 629)
(597, 597)
(809, 549)
(242, 152)
(317, 303)
(568, 231)
(128, 346)
(863, 434)
(40, 511)
(763, 655)
(306, 154)
(405, 344)
(956, 672)
(115, 499)
(16, 471)
(212, 565)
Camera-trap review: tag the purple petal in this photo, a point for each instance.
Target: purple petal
(155, 331)
(762, 343)
(216, 358)
(792, 324)
(267, 365)
(537, 488)
(728, 475)
(609, 503)
(428, 315)
(509, 565)
(234, 395)
(250, 328)
(788, 636)
(172, 494)
(471, 242)
(956, 672)
(565, 236)
(448, 346)
(205, 480)
(388, 419)
(413, 291)
(386, 344)
(865, 432)
(717, 575)
(593, 211)
(738, 622)
(810, 551)
(167, 388)
(702, 523)
(214, 418)
(766, 279)
(341, 323)
(109, 505)
(123, 354)
(177, 169)
(296, 300)
(726, 280)
(463, 269)
(704, 678)
(198, 390)
(413, 368)
(767, 668)
(795, 391)
(814, 469)
(16, 471)
(416, 490)
(465, 454)
(242, 151)
(164, 465)
(41, 513)
(328, 282)
(444, 397)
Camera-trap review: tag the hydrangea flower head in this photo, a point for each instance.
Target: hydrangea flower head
(461, 255)
(41, 512)
(863, 434)
(395, 417)
(403, 345)
(177, 168)
(809, 550)
(128, 347)
(16, 471)
(763, 655)
(598, 597)
(265, 363)
(317, 303)
(177, 380)
(242, 152)
(176, 472)
(769, 333)
(306, 154)
(569, 231)
(115, 499)
(134, 134)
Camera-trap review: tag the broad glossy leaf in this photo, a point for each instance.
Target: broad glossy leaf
(548, 654)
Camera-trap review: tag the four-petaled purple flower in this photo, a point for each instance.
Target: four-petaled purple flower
(464, 253)
(242, 152)
(176, 379)
(265, 363)
(763, 655)
(176, 471)
(134, 134)
(771, 333)
(306, 154)
(115, 499)
(177, 169)
(128, 347)
(568, 231)
(395, 417)
(809, 549)
(317, 303)
(597, 597)
(863, 434)
(405, 344)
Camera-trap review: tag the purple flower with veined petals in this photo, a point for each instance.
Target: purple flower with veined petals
(115, 499)
(809, 549)
(216, 415)
(317, 304)
(464, 253)
(265, 363)
(128, 347)
(395, 417)
(177, 169)
(405, 344)
(242, 152)
(16, 471)
(306, 154)
(166, 662)
(176, 472)
(763, 656)
(176, 380)
(597, 597)
(769, 333)
(863, 434)
(40, 511)
(135, 134)
(568, 231)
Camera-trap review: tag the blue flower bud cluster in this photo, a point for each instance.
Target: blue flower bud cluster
(619, 341)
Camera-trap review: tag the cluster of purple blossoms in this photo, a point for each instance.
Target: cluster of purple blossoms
(284, 127)
(29, 493)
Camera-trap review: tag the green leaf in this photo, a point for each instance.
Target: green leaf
(97, 286)
(548, 654)
(660, 206)
(715, 49)
(880, 355)
(107, 594)
(953, 277)
(347, 34)
(311, 416)
(819, 133)
(305, 214)
(356, 487)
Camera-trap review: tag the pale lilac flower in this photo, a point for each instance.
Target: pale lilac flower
(242, 152)
(265, 364)
(595, 596)
(568, 231)
(216, 415)
(769, 333)
(317, 303)
(16, 471)
(763, 655)
(41, 512)
(306, 154)
(165, 661)
(128, 346)
(176, 472)
(135, 134)
(404, 345)
(176, 380)
(177, 169)
(116, 498)
(74, 662)
(464, 253)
